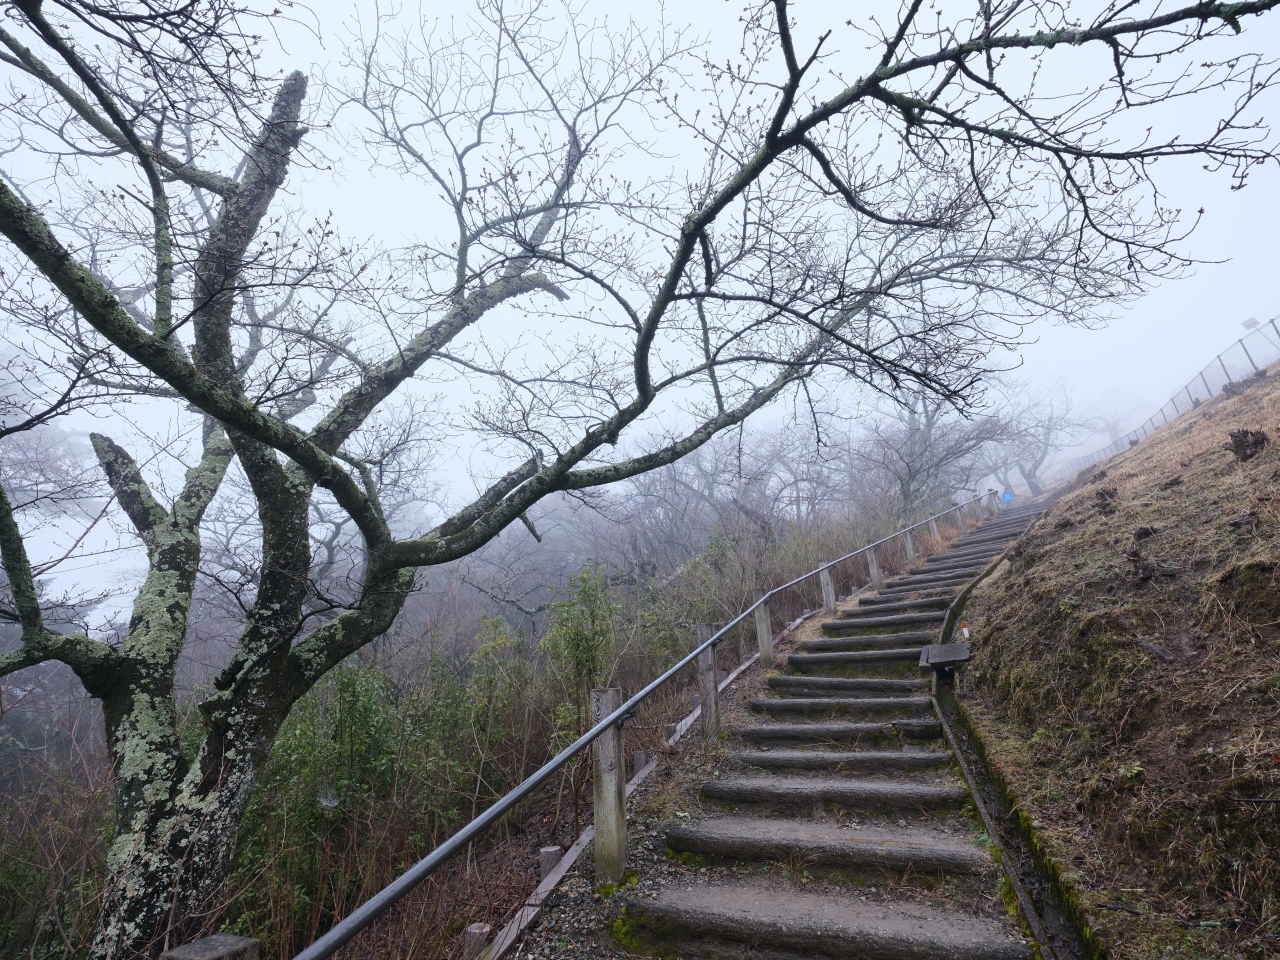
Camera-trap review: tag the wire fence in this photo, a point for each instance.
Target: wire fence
(1247, 358)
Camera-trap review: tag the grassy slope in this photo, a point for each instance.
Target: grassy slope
(1127, 685)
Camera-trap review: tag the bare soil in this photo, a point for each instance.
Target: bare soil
(1126, 685)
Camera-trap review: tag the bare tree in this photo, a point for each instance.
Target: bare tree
(1041, 422)
(887, 216)
(929, 450)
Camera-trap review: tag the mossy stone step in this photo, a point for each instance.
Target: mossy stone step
(847, 761)
(874, 621)
(819, 844)
(761, 921)
(805, 794)
(828, 734)
(843, 706)
(845, 686)
(879, 606)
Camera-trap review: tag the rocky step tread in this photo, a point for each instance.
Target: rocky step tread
(830, 845)
(883, 605)
(1008, 530)
(772, 922)
(846, 706)
(971, 554)
(849, 793)
(846, 761)
(822, 734)
(874, 622)
(846, 686)
(957, 572)
(870, 642)
(895, 590)
(808, 662)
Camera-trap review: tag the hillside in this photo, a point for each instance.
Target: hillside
(1127, 686)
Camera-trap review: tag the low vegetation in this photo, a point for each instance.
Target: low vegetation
(1127, 685)
(400, 746)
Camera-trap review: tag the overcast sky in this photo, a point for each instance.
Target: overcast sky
(1130, 365)
(1134, 362)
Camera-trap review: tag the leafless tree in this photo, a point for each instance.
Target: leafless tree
(929, 450)
(1041, 421)
(885, 214)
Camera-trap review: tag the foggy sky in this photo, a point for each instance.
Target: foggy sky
(1130, 364)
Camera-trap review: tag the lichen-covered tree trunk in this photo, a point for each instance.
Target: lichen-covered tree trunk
(169, 862)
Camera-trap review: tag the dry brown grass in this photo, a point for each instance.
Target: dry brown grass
(1126, 680)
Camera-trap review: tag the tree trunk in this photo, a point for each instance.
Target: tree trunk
(1029, 476)
(167, 869)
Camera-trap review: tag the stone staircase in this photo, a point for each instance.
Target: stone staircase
(847, 775)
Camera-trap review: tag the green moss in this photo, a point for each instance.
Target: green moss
(629, 879)
(626, 931)
(1064, 892)
(688, 859)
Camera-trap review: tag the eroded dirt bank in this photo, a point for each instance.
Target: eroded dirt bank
(1127, 684)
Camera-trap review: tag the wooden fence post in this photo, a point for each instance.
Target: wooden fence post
(610, 791)
(828, 592)
(873, 568)
(911, 548)
(764, 633)
(220, 946)
(933, 529)
(709, 684)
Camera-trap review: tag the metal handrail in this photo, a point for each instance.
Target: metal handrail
(347, 928)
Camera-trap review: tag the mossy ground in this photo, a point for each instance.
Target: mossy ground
(1126, 683)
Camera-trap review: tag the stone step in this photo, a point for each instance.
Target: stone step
(847, 761)
(947, 590)
(921, 576)
(845, 686)
(975, 556)
(763, 922)
(969, 552)
(829, 734)
(869, 642)
(855, 659)
(854, 624)
(991, 532)
(807, 794)
(942, 571)
(1002, 525)
(843, 706)
(924, 589)
(819, 844)
(880, 606)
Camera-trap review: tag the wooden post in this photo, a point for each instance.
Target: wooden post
(709, 686)
(548, 859)
(911, 548)
(474, 939)
(220, 946)
(873, 568)
(764, 634)
(610, 791)
(933, 530)
(993, 502)
(828, 592)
